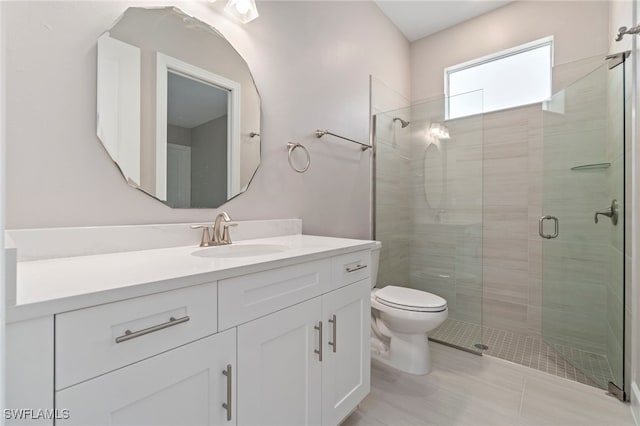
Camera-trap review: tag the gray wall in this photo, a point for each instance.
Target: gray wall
(178, 135)
(311, 62)
(209, 163)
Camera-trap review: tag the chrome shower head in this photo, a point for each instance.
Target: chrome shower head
(621, 32)
(402, 122)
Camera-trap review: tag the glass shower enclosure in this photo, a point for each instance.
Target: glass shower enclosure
(428, 209)
(517, 219)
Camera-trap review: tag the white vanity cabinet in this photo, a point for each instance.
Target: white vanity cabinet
(184, 386)
(153, 360)
(288, 371)
(279, 373)
(307, 364)
(285, 345)
(346, 368)
(99, 339)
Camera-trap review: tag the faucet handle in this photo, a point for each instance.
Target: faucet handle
(226, 236)
(206, 237)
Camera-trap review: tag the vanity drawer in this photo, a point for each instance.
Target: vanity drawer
(350, 268)
(251, 296)
(93, 341)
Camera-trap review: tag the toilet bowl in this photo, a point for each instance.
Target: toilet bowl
(401, 319)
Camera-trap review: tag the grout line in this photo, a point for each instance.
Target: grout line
(524, 386)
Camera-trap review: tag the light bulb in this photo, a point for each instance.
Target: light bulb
(243, 6)
(243, 10)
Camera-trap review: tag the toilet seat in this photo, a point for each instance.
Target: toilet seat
(408, 299)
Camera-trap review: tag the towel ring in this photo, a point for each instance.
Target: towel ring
(292, 147)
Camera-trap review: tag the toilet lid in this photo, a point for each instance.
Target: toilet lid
(410, 299)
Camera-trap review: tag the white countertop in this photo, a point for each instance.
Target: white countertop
(46, 287)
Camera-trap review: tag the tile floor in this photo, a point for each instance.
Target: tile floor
(593, 369)
(465, 389)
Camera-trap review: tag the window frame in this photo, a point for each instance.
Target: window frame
(513, 51)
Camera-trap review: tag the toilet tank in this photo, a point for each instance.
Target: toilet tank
(375, 262)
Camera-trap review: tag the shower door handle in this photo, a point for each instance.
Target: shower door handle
(556, 227)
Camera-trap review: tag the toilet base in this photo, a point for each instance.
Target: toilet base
(405, 352)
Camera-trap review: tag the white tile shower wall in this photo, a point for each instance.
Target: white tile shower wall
(309, 63)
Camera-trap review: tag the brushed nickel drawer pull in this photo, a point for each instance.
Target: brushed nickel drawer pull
(128, 334)
(227, 405)
(355, 268)
(334, 344)
(319, 350)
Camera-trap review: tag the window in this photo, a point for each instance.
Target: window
(507, 79)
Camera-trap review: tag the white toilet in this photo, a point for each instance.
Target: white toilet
(401, 319)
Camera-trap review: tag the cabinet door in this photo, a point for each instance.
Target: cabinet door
(278, 371)
(346, 372)
(183, 386)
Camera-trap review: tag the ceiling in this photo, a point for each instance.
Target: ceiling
(420, 18)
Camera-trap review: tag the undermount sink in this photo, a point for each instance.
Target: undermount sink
(240, 250)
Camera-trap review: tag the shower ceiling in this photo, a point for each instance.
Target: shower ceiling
(420, 18)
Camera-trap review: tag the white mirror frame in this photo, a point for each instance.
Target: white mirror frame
(164, 64)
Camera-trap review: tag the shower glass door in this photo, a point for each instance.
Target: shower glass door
(581, 234)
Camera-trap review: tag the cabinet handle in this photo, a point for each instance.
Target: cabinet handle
(333, 321)
(128, 334)
(227, 405)
(319, 350)
(355, 268)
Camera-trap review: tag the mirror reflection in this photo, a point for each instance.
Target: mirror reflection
(196, 143)
(178, 110)
(433, 175)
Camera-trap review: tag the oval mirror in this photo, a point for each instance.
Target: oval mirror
(433, 176)
(178, 110)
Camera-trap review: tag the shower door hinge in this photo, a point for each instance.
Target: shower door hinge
(615, 391)
(617, 58)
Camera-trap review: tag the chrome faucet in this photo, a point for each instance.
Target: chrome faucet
(216, 238)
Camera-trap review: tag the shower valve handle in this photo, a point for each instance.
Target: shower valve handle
(610, 212)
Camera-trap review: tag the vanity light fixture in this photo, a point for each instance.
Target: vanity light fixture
(243, 10)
